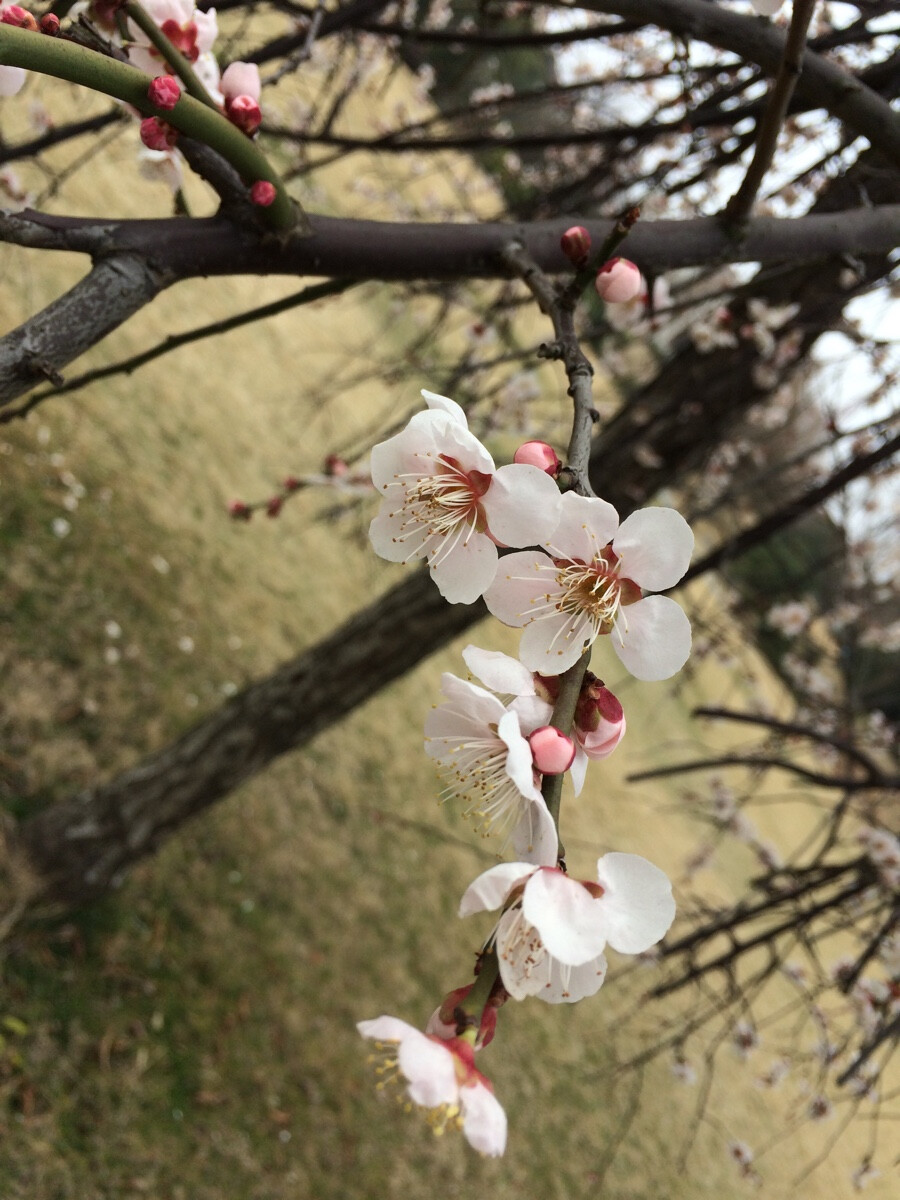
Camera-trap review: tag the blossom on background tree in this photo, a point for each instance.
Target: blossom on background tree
(445, 501)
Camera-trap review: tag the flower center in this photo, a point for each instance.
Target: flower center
(596, 588)
(449, 496)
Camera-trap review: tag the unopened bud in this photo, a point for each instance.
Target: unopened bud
(335, 465)
(239, 511)
(157, 135)
(50, 24)
(599, 718)
(540, 455)
(551, 751)
(618, 281)
(244, 112)
(575, 244)
(164, 91)
(262, 193)
(14, 14)
(291, 484)
(274, 506)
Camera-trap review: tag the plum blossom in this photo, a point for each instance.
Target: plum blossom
(446, 502)
(599, 723)
(590, 582)
(190, 31)
(441, 1077)
(487, 764)
(553, 931)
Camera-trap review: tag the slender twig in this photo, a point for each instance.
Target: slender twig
(763, 762)
(739, 206)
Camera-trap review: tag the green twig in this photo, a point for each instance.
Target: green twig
(170, 55)
(76, 64)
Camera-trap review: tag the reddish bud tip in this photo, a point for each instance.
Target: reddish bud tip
(275, 505)
(14, 14)
(262, 193)
(540, 455)
(618, 281)
(244, 112)
(335, 465)
(575, 244)
(551, 750)
(50, 24)
(239, 511)
(291, 484)
(164, 91)
(157, 135)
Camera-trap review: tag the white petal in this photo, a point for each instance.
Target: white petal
(567, 985)
(241, 79)
(578, 770)
(467, 571)
(459, 443)
(566, 916)
(429, 1070)
(524, 962)
(446, 405)
(532, 711)
(394, 537)
(555, 643)
(655, 547)
(534, 839)
(11, 80)
(522, 505)
(484, 1121)
(492, 887)
(523, 583)
(500, 672)
(637, 904)
(518, 761)
(586, 525)
(386, 1029)
(413, 449)
(657, 642)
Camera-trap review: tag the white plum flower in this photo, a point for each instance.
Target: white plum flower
(591, 581)
(552, 934)
(441, 1077)
(487, 764)
(446, 502)
(599, 723)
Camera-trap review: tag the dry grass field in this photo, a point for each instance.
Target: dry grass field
(192, 1038)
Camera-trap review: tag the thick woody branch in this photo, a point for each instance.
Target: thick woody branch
(114, 290)
(739, 206)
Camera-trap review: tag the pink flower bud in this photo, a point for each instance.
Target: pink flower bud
(274, 506)
(14, 14)
(239, 511)
(540, 455)
(157, 135)
(164, 91)
(618, 281)
(50, 24)
(244, 112)
(551, 750)
(599, 719)
(575, 244)
(262, 193)
(240, 79)
(335, 465)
